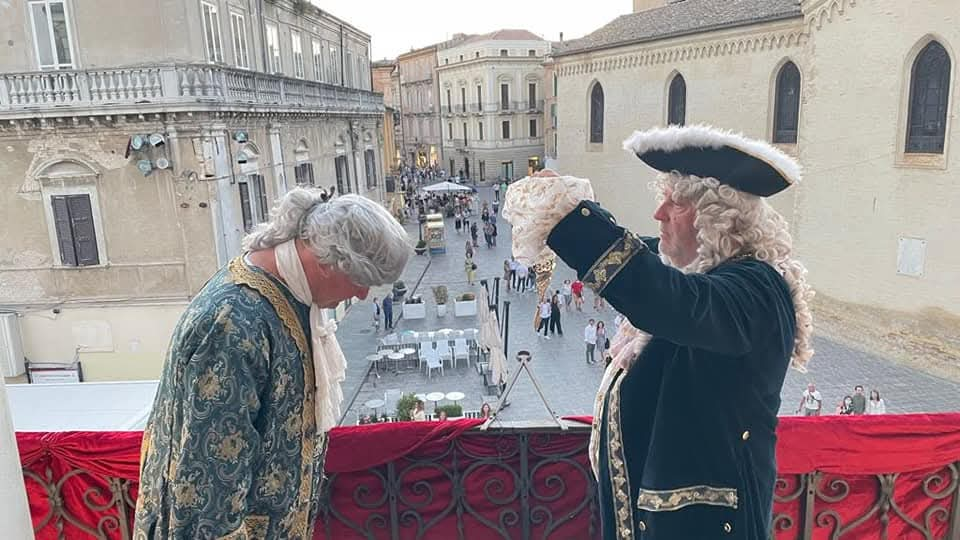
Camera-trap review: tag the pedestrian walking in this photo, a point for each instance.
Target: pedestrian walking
(590, 339)
(555, 314)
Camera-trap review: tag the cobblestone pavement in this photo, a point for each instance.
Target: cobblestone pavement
(568, 383)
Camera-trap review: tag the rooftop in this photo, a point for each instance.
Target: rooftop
(681, 18)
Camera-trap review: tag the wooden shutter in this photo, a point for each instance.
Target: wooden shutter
(260, 191)
(245, 206)
(61, 218)
(84, 233)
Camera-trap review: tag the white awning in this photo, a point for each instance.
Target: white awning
(100, 406)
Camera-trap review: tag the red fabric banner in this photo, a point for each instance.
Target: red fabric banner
(848, 452)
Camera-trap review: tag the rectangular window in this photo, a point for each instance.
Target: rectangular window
(532, 95)
(76, 234)
(461, 58)
(273, 49)
(239, 30)
(555, 85)
(553, 115)
(296, 45)
(483, 172)
(503, 52)
(464, 133)
(303, 173)
(317, 60)
(533, 127)
(450, 130)
(531, 52)
(348, 74)
(449, 107)
(505, 129)
(463, 99)
(370, 163)
(211, 32)
(51, 34)
(480, 130)
(504, 97)
(343, 174)
(479, 99)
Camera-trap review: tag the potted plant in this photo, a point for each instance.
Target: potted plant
(421, 247)
(453, 411)
(405, 406)
(399, 290)
(414, 308)
(465, 305)
(440, 297)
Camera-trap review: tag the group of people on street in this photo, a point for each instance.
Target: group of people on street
(811, 402)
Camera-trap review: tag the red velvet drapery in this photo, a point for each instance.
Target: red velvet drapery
(848, 452)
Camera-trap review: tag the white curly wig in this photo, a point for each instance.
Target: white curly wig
(351, 233)
(730, 223)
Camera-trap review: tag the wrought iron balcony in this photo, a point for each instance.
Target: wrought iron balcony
(171, 88)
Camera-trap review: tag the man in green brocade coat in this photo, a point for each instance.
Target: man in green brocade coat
(235, 445)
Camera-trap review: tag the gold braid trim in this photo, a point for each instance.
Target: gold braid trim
(297, 520)
(619, 477)
(674, 499)
(613, 260)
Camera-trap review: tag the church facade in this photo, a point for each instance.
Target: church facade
(863, 93)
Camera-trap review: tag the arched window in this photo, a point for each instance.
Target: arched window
(929, 90)
(677, 104)
(786, 113)
(596, 114)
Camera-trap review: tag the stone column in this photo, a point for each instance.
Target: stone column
(14, 512)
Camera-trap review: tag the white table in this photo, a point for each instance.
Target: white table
(408, 353)
(375, 404)
(455, 396)
(435, 397)
(396, 358)
(374, 359)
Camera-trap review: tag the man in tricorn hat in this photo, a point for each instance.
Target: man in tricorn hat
(717, 309)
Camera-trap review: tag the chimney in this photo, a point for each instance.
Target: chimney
(644, 5)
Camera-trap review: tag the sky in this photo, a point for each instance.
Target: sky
(396, 27)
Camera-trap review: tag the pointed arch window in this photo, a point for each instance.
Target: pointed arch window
(786, 114)
(596, 114)
(677, 102)
(929, 93)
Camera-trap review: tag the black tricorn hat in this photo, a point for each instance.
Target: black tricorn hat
(744, 164)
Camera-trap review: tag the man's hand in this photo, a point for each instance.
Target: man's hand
(534, 205)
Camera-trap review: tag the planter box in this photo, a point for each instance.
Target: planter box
(414, 311)
(466, 308)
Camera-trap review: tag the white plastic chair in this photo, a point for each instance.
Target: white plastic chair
(460, 350)
(390, 398)
(445, 352)
(425, 348)
(433, 362)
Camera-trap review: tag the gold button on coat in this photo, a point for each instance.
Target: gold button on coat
(746, 435)
(585, 212)
(640, 525)
(727, 528)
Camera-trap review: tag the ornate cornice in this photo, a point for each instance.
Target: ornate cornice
(823, 11)
(684, 52)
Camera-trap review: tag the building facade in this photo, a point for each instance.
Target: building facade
(386, 81)
(419, 107)
(142, 142)
(875, 131)
(492, 95)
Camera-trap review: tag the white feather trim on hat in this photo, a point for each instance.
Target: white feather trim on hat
(673, 138)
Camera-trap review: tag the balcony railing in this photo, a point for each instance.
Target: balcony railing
(170, 85)
(527, 481)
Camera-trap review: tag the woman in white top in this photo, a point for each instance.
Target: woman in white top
(544, 317)
(875, 404)
(418, 414)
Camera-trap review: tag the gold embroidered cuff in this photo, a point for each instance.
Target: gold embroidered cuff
(675, 499)
(612, 261)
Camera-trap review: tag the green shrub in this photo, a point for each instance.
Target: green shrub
(440, 294)
(405, 404)
(453, 410)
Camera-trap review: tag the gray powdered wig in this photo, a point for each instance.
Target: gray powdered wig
(351, 233)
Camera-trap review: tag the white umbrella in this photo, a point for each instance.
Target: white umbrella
(490, 338)
(445, 186)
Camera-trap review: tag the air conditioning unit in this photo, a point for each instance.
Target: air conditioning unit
(11, 346)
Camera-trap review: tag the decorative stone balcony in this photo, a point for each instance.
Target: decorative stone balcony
(172, 88)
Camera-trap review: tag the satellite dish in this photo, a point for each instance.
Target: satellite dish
(136, 142)
(157, 139)
(163, 163)
(145, 166)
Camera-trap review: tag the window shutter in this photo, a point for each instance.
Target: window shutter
(61, 218)
(245, 206)
(84, 233)
(260, 190)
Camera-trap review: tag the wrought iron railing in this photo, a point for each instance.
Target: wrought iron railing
(513, 493)
(174, 84)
